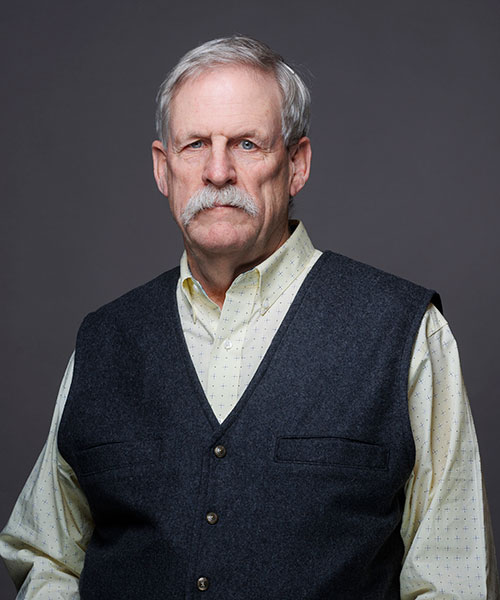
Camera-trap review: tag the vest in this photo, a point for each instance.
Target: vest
(297, 495)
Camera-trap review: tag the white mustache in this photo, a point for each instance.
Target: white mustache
(210, 196)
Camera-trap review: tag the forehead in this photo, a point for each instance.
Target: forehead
(223, 97)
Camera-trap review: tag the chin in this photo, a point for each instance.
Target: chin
(221, 236)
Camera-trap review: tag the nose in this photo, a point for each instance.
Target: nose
(219, 168)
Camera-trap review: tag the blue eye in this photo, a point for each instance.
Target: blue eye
(247, 145)
(196, 144)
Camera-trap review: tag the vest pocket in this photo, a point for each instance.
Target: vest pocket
(331, 451)
(116, 455)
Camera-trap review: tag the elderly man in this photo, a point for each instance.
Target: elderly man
(268, 421)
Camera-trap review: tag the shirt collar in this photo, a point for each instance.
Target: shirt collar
(274, 275)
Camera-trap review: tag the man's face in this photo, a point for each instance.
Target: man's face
(225, 130)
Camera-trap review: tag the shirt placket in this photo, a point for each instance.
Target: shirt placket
(226, 355)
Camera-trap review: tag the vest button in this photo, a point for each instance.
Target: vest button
(212, 518)
(202, 584)
(219, 451)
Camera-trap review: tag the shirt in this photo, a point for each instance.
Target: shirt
(449, 549)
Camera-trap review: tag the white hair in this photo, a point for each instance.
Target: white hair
(246, 51)
(210, 196)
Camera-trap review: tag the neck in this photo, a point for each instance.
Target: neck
(216, 272)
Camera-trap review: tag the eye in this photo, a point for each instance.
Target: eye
(196, 145)
(247, 145)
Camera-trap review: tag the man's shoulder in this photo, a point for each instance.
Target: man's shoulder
(363, 281)
(139, 302)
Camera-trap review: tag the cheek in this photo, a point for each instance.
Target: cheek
(180, 189)
(268, 176)
(276, 187)
(177, 199)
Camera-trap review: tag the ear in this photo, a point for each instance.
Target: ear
(300, 165)
(160, 166)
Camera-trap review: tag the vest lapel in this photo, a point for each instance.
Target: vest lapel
(191, 374)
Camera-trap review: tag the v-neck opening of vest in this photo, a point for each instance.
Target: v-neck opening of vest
(220, 427)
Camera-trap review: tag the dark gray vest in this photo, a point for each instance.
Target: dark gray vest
(298, 495)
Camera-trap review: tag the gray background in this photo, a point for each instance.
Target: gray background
(406, 140)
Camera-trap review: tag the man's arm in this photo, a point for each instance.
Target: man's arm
(43, 544)
(446, 529)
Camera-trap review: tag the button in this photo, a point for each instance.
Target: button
(219, 451)
(212, 518)
(228, 344)
(202, 584)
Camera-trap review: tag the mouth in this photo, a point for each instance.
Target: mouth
(222, 205)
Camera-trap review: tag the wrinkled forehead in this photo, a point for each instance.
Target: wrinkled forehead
(259, 74)
(232, 93)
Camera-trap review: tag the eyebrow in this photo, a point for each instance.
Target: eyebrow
(247, 134)
(241, 135)
(198, 134)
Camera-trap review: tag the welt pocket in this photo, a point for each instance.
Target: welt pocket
(116, 455)
(322, 450)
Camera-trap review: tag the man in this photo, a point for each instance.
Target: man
(269, 421)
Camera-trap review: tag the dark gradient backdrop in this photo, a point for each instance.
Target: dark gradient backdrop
(406, 171)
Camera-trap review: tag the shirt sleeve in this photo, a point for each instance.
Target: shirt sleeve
(44, 542)
(449, 550)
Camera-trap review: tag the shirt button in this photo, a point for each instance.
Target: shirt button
(202, 584)
(212, 518)
(228, 344)
(219, 451)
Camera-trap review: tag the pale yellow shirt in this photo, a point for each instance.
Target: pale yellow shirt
(446, 532)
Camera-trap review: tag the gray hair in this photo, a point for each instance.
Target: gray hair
(240, 50)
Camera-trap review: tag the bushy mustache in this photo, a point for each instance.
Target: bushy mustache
(210, 196)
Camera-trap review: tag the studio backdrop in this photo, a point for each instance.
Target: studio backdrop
(406, 154)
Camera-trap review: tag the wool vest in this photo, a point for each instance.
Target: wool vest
(297, 495)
